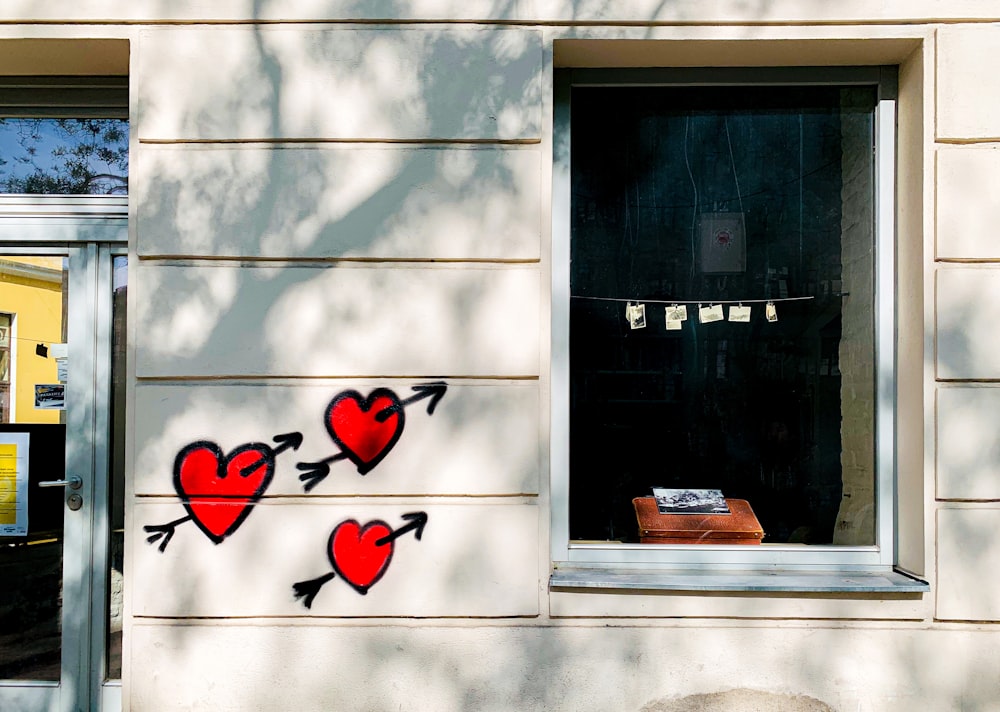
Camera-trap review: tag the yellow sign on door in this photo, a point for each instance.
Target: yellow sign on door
(8, 484)
(14, 484)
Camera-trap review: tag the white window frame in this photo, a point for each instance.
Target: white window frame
(879, 557)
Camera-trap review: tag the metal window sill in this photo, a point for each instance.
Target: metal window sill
(776, 580)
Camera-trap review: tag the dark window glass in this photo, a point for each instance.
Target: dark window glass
(116, 484)
(64, 156)
(724, 194)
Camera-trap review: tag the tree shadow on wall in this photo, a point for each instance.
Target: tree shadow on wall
(383, 187)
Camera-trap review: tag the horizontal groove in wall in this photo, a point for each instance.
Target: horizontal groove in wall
(341, 141)
(265, 380)
(312, 261)
(966, 141)
(529, 498)
(969, 381)
(523, 23)
(307, 618)
(970, 502)
(968, 260)
(542, 620)
(598, 622)
(970, 621)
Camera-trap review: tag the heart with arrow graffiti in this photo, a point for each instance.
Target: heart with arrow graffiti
(365, 429)
(219, 490)
(361, 554)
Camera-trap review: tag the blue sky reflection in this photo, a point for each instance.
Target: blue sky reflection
(64, 156)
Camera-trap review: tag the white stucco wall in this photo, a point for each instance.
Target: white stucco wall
(318, 206)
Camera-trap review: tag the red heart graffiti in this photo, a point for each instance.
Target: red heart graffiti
(365, 428)
(356, 554)
(219, 490)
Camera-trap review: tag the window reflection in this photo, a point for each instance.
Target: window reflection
(116, 487)
(64, 156)
(33, 301)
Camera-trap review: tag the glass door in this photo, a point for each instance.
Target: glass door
(61, 474)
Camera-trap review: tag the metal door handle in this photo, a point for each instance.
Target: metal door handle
(73, 482)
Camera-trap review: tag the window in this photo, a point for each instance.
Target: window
(64, 156)
(759, 202)
(64, 136)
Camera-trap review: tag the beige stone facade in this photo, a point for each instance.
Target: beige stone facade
(330, 196)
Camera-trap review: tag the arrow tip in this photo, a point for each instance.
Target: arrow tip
(435, 391)
(292, 440)
(419, 520)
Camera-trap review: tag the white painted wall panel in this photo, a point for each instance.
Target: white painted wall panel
(335, 201)
(277, 82)
(551, 669)
(967, 80)
(336, 320)
(481, 438)
(968, 203)
(968, 559)
(474, 559)
(968, 310)
(968, 443)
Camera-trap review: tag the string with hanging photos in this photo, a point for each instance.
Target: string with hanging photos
(676, 312)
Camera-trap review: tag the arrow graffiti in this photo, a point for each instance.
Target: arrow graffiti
(434, 391)
(360, 554)
(219, 490)
(366, 428)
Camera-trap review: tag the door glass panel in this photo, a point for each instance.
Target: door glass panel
(116, 486)
(64, 156)
(33, 292)
(5, 324)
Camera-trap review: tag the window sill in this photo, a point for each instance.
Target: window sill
(776, 580)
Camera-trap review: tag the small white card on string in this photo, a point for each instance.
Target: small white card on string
(770, 312)
(676, 314)
(739, 313)
(710, 313)
(636, 315)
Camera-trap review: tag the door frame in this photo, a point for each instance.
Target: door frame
(91, 230)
